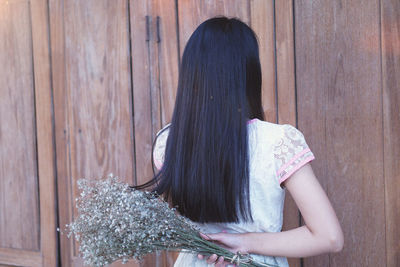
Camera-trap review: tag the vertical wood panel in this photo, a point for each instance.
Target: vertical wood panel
(142, 37)
(285, 62)
(18, 257)
(146, 93)
(166, 65)
(19, 191)
(168, 58)
(340, 110)
(26, 134)
(57, 39)
(98, 88)
(95, 94)
(262, 22)
(286, 99)
(45, 133)
(390, 28)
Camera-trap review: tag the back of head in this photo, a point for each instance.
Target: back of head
(205, 171)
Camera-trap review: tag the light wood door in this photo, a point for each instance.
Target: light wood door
(28, 235)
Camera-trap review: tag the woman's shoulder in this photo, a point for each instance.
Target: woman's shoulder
(269, 129)
(164, 130)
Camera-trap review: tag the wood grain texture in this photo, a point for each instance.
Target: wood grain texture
(340, 113)
(168, 57)
(164, 76)
(262, 22)
(58, 74)
(94, 129)
(28, 217)
(18, 257)
(45, 133)
(285, 62)
(390, 28)
(146, 93)
(19, 189)
(142, 38)
(286, 98)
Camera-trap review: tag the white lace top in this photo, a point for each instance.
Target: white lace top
(276, 151)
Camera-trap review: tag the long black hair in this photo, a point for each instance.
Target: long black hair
(205, 174)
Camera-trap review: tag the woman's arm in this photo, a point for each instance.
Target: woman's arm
(320, 234)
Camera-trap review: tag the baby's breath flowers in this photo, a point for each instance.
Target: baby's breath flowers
(117, 222)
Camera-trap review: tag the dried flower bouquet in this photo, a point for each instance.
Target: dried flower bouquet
(117, 222)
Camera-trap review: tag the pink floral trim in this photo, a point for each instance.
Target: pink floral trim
(301, 153)
(298, 166)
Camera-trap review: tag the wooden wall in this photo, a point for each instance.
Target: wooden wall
(86, 84)
(348, 89)
(28, 216)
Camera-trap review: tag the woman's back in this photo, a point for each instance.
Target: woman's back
(275, 152)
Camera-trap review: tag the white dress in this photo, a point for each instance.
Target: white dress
(275, 152)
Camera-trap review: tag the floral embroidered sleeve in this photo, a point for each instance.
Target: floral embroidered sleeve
(291, 152)
(159, 147)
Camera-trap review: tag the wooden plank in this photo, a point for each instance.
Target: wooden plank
(152, 81)
(98, 86)
(95, 133)
(286, 106)
(154, 73)
(146, 105)
(45, 135)
(315, 134)
(390, 28)
(17, 257)
(168, 59)
(262, 22)
(285, 62)
(57, 41)
(340, 113)
(163, 50)
(142, 34)
(18, 171)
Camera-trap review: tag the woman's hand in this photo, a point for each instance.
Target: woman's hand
(231, 242)
(219, 262)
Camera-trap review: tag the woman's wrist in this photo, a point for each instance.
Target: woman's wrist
(297, 242)
(247, 242)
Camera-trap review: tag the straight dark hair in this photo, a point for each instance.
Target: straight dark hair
(205, 174)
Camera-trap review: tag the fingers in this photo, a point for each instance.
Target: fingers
(204, 236)
(213, 259)
(220, 262)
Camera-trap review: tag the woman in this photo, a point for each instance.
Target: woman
(227, 169)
